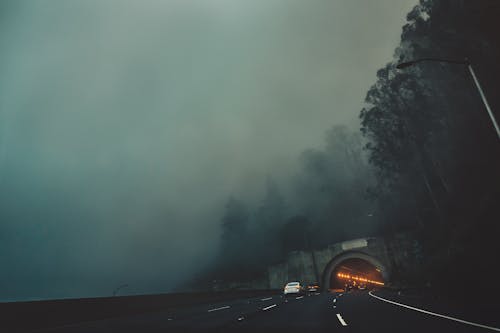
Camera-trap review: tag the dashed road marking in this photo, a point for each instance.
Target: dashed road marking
(334, 300)
(342, 321)
(435, 314)
(241, 318)
(268, 307)
(221, 308)
(266, 299)
(299, 297)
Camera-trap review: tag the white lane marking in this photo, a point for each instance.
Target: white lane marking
(266, 299)
(299, 297)
(241, 318)
(334, 306)
(334, 300)
(340, 295)
(436, 314)
(316, 294)
(268, 307)
(342, 321)
(221, 308)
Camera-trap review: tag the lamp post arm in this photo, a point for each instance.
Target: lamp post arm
(465, 62)
(451, 61)
(416, 61)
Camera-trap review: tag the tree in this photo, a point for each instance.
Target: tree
(234, 239)
(271, 213)
(331, 188)
(429, 139)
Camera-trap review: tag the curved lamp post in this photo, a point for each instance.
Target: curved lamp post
(115, 292)
(465, 62)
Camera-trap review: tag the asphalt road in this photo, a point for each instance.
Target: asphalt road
(325, 312)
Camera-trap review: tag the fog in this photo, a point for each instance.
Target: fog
(126, 125)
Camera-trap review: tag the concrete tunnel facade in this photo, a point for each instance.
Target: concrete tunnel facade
(318, 265)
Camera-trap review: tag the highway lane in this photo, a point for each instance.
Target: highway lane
(365, 313)
(198, 318)
(326, 312)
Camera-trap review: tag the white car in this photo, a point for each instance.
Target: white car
(293, 288)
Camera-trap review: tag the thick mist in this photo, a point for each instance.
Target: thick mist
(125, 126)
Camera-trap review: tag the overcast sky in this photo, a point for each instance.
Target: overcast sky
(125, 125)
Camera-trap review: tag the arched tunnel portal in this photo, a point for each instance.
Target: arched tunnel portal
(354, 268)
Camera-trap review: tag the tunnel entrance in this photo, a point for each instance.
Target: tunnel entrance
(354, 271)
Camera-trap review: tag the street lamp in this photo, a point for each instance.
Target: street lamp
(465, 62)
(115, 292)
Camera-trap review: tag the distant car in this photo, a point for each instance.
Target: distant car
(312, 287)
(293, 288)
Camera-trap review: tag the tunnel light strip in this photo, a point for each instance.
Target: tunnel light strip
(358, 278)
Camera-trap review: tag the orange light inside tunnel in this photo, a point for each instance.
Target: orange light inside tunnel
(358, 278)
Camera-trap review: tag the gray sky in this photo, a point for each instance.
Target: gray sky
(125, 125)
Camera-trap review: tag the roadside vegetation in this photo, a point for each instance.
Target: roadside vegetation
(425, 162)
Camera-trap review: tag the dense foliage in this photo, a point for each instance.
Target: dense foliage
(430, 163)
(326, 202)
(432, 143)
